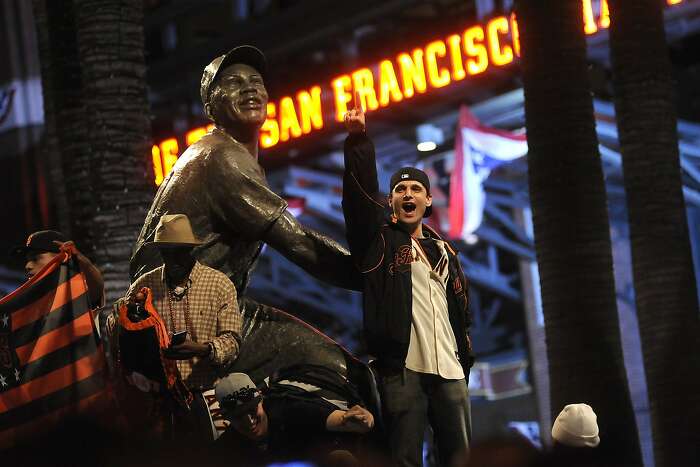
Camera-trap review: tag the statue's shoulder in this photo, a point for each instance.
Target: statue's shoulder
(215, 146)
(207, 144)
(218, 156)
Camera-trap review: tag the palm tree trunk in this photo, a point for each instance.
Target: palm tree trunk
(572, 234)
(103, 143)
(664, 279)
(60, 77)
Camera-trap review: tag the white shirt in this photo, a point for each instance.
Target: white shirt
(433, 347)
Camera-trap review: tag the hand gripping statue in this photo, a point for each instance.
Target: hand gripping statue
(219, 185)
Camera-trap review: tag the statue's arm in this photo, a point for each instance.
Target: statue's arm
(320, 256)
(241, 200)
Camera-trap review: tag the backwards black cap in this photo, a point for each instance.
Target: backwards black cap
(411, 173)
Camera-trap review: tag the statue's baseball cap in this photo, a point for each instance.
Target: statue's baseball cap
(246, 54)
(411, 173)
(40, 242)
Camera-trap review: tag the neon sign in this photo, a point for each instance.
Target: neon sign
(435, 65)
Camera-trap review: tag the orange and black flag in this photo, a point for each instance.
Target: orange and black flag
(51, 361)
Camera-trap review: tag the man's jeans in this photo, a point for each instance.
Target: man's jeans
(410, 400)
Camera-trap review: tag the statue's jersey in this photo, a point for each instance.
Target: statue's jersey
(223, 191)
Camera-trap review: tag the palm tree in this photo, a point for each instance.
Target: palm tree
(98, 130)
(664, 281)
(572, 235)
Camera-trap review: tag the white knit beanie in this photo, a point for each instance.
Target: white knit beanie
(576, 426)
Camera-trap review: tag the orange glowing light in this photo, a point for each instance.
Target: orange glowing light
(501, 54)
(363, 85)
(604, 20)
(589, 24)
(454, 42)
(169, 150)
(412, 72)
(388, 84)
(341, 85)
(438, 63)
(474, 47)
(515, 34)
(310, 109)
(270, 130)
(195, 135)
(157, 165)
(289, 123)
(437, 76)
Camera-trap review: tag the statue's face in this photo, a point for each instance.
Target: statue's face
(240, 96)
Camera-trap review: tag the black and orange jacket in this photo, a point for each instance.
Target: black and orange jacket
(382, 253)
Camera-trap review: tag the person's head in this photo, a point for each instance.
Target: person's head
(178, 260)
(576, 426)
(252, 424)
(409, 196)
(241, 403)
(175, 240)
(39, 249)
(233, 89)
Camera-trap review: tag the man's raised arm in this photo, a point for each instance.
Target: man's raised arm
(362, 204)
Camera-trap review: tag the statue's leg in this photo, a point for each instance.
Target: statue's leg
(273, 339)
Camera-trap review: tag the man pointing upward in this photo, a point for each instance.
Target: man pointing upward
(416, 318)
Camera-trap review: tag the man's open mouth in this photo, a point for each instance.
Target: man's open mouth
(408, 207)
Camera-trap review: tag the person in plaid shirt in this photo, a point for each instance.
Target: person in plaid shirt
(194, 298)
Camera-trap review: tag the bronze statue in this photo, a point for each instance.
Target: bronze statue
(219, 185)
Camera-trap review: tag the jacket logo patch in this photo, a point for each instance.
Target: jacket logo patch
(402, 257)
(457, 285)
